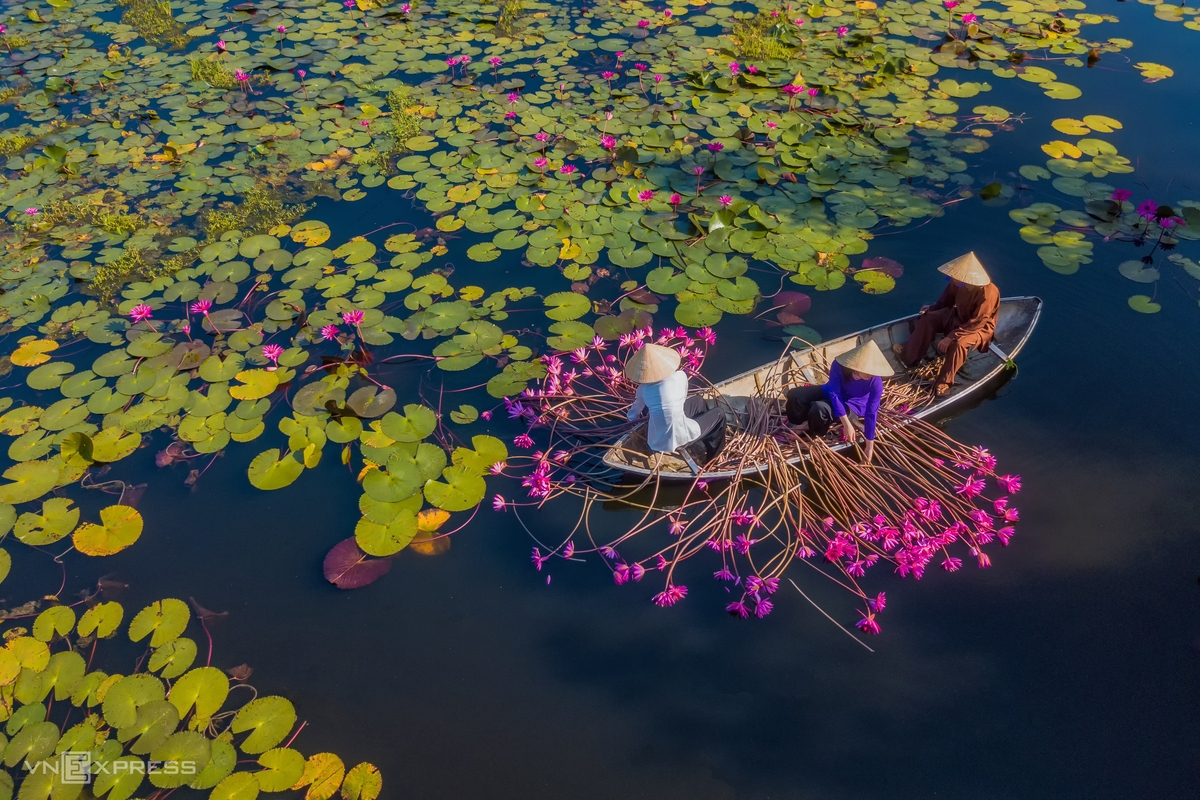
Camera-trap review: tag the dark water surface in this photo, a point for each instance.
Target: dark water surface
(1069, 669)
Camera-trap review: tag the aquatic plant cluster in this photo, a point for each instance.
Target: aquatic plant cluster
(1067, 236)
(923, 505)
(623, 129)
(166, 725)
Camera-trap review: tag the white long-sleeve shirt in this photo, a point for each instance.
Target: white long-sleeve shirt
(669, 427)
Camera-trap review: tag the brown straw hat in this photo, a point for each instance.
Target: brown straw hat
(966, 269)
(868, 359)
(651, 364)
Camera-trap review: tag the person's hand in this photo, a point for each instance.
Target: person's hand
(944, 344)
(925, 308)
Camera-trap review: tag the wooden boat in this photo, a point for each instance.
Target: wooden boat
(809, 365)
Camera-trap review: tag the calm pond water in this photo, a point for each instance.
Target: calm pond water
(1069, 669)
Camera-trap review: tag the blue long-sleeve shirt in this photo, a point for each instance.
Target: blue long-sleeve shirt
(860, 396)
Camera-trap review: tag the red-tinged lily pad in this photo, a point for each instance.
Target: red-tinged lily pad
(789, 302)
(348, 567)
(885, 265)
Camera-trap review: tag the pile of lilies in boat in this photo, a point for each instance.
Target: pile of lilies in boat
(926, 501)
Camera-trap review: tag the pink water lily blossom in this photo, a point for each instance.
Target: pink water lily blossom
(725, 200)
(670, 596)
(568, 169)
(329, 332)
(646, 195)
(737, 609)
(540, 163)
(33, 211)
(353, 317)
(272, 352)
(608, 142)
(498, 503)
(524, 441)
(675, 199)
(495, 61)
(1011, 483)
(842, 31)
(868, 624)
(969, 19)
(1121, 195)
(141, 312)
(542, 136)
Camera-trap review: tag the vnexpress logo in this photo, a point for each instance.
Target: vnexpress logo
(77, 768)
(72, 768)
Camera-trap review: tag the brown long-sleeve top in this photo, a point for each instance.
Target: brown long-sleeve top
(975, 309)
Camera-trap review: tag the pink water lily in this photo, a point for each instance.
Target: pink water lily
(272, 352)
(498, 503)
(868, 624)
(1121, 195)
(540, 163)
(671, 596)
(329, 332)
(646, 195)
(725, 200)
(737, 609)
(141, 312)
(352, 317)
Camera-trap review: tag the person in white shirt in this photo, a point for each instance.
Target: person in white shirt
(675, 420)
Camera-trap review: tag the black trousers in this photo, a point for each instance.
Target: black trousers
(808, 404)
(712, 429)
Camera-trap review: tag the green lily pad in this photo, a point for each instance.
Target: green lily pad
(268, 471)
(269, 719)
(567, 305)
(463, 489)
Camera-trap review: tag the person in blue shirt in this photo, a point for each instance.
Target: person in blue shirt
(855, 384)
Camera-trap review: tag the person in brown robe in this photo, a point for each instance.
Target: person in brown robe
(964, 317)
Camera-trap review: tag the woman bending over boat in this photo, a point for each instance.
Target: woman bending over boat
(676, 420)
(855, 385)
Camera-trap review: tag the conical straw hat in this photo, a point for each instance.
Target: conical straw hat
(651, 364)
(868, 359)
(966, 269)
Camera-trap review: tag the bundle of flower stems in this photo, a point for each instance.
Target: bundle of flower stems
(794, 497)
